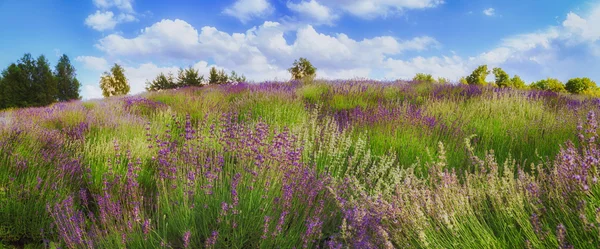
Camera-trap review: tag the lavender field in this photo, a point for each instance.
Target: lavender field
(330, 164)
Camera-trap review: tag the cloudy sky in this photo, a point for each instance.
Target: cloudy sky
(380, 39)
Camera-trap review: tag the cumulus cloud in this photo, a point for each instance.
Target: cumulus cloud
(262, 52)
(245, 10)
(106, 20)
(314, 11)
(489, 12)
(93, 63)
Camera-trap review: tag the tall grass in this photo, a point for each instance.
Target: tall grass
(344, 164)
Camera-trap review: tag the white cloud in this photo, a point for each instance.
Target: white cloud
(314, 11)
(262, 53)
(91, 91)
(489, 12)
(106, 20)
(123, 5)
(93, 63)
(246, 10)
(101, 20)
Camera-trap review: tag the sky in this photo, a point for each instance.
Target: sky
(344, 39)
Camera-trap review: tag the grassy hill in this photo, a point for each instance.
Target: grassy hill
(336, 164)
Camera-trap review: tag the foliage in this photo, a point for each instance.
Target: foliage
(502, 78)
(235, 78)
(478, 76)
(517, 82)
(31, 82)
(549, 84)
(302, 69)
(421, 77)
(161, 82)
(579, 85)
(463, 81)
(114, 83)
(189, 77)
(67, 84)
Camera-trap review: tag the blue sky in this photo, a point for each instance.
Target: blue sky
(380, 39)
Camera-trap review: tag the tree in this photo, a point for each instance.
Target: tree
(14, 87)
(234, 77)
(114, 83)
(463, 81)
(478, 76)
(421, 77)
(502, 78)
(213, 76)
(443, 80)
(549, 84)
(44, 83)
(189, 77)
(66, 81)
(302, 68)
(161, 82)
(517, 82)
(579, 85)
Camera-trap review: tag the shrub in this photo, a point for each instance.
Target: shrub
(549, 84)
(478, 76)
(579, 85)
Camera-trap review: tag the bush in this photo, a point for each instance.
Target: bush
(579, 85)
(549, 84)
(478, 76)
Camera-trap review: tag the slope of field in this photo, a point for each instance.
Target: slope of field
(339, 164)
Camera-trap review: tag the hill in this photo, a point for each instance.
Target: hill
(331, 164)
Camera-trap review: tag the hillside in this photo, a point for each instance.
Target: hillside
(331, 164)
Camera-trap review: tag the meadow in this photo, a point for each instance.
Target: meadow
(323, 164)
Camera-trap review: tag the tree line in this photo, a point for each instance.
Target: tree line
(31, 82)
(191, 77)
(502, 79)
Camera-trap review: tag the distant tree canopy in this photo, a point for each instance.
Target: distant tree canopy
(66, 81)
(301, 69)
(191, 77)
(549, 84)
(421, 77)
(31, 82)
(114, 82)
(478, 76)
(517, 82)
(580, 85)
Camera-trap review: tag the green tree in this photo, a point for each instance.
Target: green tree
(189, 77)
(44, 83)
(14, 87)
(443, 80)
(234, 77)
(517, 82)
(302, 68)
(66, 81)
(213, 77)
(161, 82)
(478, 76)
(579, 85)
(421, 77)
(549, 84)
(502, 78)
(114, 83)
(463, 81)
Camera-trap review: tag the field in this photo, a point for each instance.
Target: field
(325, 164)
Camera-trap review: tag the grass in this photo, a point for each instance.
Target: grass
(342, 164)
